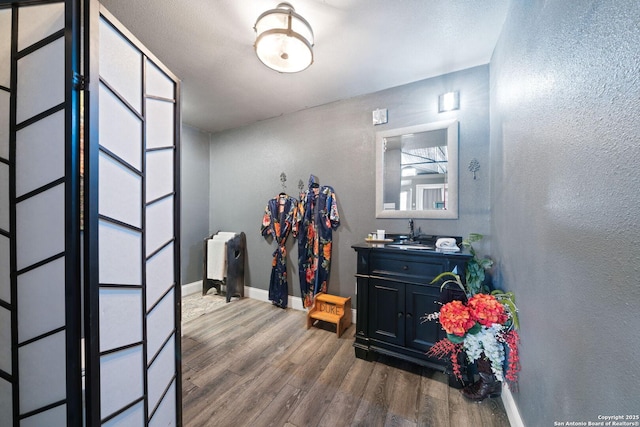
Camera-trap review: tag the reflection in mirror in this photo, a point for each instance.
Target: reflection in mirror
(417, 171)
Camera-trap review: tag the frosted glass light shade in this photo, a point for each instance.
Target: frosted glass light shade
(448, 102)
(284, 40)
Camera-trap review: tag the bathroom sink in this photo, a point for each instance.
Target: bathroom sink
(411, 245)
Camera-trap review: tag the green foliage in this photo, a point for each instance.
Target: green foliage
(473, 237)
(508, 299)
(455, 339)
(476, 267)
(475, 270)
(455, 279)
(475, 329)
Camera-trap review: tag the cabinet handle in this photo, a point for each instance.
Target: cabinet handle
(400, 314)
(409, 315)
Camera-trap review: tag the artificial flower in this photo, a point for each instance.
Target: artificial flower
(482, 327)
(455, 318)
(486, 309)
(511, 338)
(447, 349)
(487, 343)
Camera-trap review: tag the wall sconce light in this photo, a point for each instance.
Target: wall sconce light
(379, 116)
(284, 40)
(449, 101)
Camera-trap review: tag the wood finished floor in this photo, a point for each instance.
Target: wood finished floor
(249, 363)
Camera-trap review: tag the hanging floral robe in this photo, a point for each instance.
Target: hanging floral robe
(279, 221)
(317, 217)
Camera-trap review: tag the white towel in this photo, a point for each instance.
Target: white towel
(447, 244)
(217, 255)
(226, 235)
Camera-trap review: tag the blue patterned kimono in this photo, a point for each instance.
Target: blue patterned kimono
(317, 217)
(278, 221)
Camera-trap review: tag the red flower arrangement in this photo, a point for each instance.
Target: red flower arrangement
(483, 327)
(480, 327)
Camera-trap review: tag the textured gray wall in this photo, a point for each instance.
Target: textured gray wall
(194, 183)
(336, 143)
(565, 149)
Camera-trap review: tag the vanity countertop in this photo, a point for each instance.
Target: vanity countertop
(412, 248)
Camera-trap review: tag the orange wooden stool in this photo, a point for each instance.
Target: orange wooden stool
(331, 309)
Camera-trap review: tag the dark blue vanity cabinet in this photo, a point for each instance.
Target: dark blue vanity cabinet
(394, 293)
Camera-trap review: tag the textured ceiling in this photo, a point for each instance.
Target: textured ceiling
(361, 46)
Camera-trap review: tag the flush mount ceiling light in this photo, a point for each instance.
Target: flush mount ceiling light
(284, 40)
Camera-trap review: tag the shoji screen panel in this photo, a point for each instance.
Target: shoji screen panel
(135, 348)
(6, 306)
(40, 372)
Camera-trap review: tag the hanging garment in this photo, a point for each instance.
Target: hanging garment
(279, 221)
(317, 217)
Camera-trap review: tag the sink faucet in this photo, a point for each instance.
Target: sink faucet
(412, 233)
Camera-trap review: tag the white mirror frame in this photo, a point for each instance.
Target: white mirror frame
(452, 152)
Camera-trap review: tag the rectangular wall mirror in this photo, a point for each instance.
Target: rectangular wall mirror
(417, 171)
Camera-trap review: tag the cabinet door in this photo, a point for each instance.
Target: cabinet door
(386, 308)
(422, 300)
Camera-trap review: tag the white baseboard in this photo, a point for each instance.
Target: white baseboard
(192, 288)
(511, 408)
(257, 294)
(263, 295)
